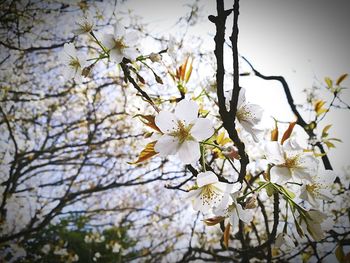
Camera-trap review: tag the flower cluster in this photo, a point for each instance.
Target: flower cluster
(285, 167)
(115, 46)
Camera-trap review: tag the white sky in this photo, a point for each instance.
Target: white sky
(300, 40)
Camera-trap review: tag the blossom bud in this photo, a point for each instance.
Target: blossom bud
(158, 79)
(87, 70)
(250, 203)
(155, 57)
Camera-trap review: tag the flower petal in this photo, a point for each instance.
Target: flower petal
(224, 187)
(303, 174)
(166, 145)
(116, 55)
(132, 38)
(326, 177)
(274, 153)
(234, 218)
(241, 98)
(186, 111)
(252, 130)
(222, 208)
(292, 144)
(245, 215)
(166, 121)
(130, 53)
(200, 204)
(108, 41)
(202, 129)
(308, 161)
(311, 199)
(189, 152)
(206, 178)
(70, 49)
(325, 194)
(192, 194)
(119, 29)
(251, 113)
(280, 175)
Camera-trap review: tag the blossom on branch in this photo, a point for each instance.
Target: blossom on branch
(182, 132)
(85, 24)
(122, 43)
(284, 241)
(230, 208)
(74, 61)
(318, 189)
(210, 192)
(313, 224)
(290, 162)
(248, 115)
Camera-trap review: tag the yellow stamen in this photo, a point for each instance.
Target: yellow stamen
(183, 132)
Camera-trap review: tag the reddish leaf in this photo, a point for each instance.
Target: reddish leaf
(274, 133)
(146, 153)
(227, 234)
(213, 221)
(149, 120)
(288, 132)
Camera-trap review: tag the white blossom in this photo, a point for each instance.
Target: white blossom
(319, 188)
(313, 225)
(46, 249)
(290, 162)
(248, 115)
(85, 24)
(210, 192)
(121, 43)
(74, 61)
(229, 207)
(182, 132)
(60, 251)
(116, 247)
(284, 241)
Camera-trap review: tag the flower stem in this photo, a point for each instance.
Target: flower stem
(203, 158)
(212, 144)
(98, 42)
(254, 190)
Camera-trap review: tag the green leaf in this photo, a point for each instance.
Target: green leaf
(299, 229)
(288, 193)
(270, 190)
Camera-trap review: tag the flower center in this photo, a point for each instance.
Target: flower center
(74, 63)
(119, 44)
(209, 195)
(86, 26)
(313, 188)
(291, 162)
(243, 114)
(183, 132)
